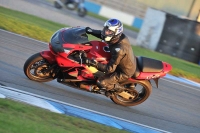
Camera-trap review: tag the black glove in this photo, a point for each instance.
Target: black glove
(90, 62)
(88, 30)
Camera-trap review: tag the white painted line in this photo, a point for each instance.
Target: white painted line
(195, 83)
(2, 96)
(181, 84)
(23, 36)
(28, 99)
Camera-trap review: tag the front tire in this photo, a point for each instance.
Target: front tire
(133, 96)
(34, 68)
(57, 5)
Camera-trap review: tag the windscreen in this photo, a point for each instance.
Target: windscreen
(74, 35)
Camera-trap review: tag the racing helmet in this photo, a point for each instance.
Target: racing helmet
(112, 30)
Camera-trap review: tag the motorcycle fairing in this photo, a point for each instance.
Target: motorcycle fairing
(98, 51)
(48, 56)
(68, 36)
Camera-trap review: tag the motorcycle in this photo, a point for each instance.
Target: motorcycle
(72, 5)
(63, 61)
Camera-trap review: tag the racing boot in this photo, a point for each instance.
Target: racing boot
(119, 88)
(86, 87)
(131, 86)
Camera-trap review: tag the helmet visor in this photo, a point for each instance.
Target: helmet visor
(108, 32)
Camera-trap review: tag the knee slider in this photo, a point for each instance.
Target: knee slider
(100, 84)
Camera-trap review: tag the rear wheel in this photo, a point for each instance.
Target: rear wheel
(82, 12)
(134, 95)
(35, 68)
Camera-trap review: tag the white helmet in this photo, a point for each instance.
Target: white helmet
(115, 27)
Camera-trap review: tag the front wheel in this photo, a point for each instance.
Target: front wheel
(35, 68)
(57, 5)
(134, 95)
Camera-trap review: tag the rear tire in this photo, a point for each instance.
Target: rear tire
(140, 93)
(82, 12)
(34, 68)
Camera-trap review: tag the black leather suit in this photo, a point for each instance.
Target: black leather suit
(122, 64)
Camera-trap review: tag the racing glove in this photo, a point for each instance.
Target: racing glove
(90, 62)
(88, 30)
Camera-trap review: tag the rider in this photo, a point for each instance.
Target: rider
(122, 64)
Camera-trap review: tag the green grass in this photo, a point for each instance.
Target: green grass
(16, 117)
(42, 29)
(30, 19)
(27, 25)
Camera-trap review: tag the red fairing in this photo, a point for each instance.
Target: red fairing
(98, 52)
(65, 62)
(48, 56)
(86, 74)
(76, 47)
(152, 75)
(166, 67)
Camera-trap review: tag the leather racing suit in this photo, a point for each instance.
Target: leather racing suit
(122, 64)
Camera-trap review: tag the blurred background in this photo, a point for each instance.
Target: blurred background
(168, 26)
(171, 27)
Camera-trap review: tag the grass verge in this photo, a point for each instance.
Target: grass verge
(42, 29)
(181, 68)
(18, 117)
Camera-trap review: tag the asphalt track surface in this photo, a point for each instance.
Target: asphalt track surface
(174, 107)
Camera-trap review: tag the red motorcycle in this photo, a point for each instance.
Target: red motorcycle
(68, 46)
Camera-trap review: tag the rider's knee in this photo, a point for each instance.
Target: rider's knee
(101, 84)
